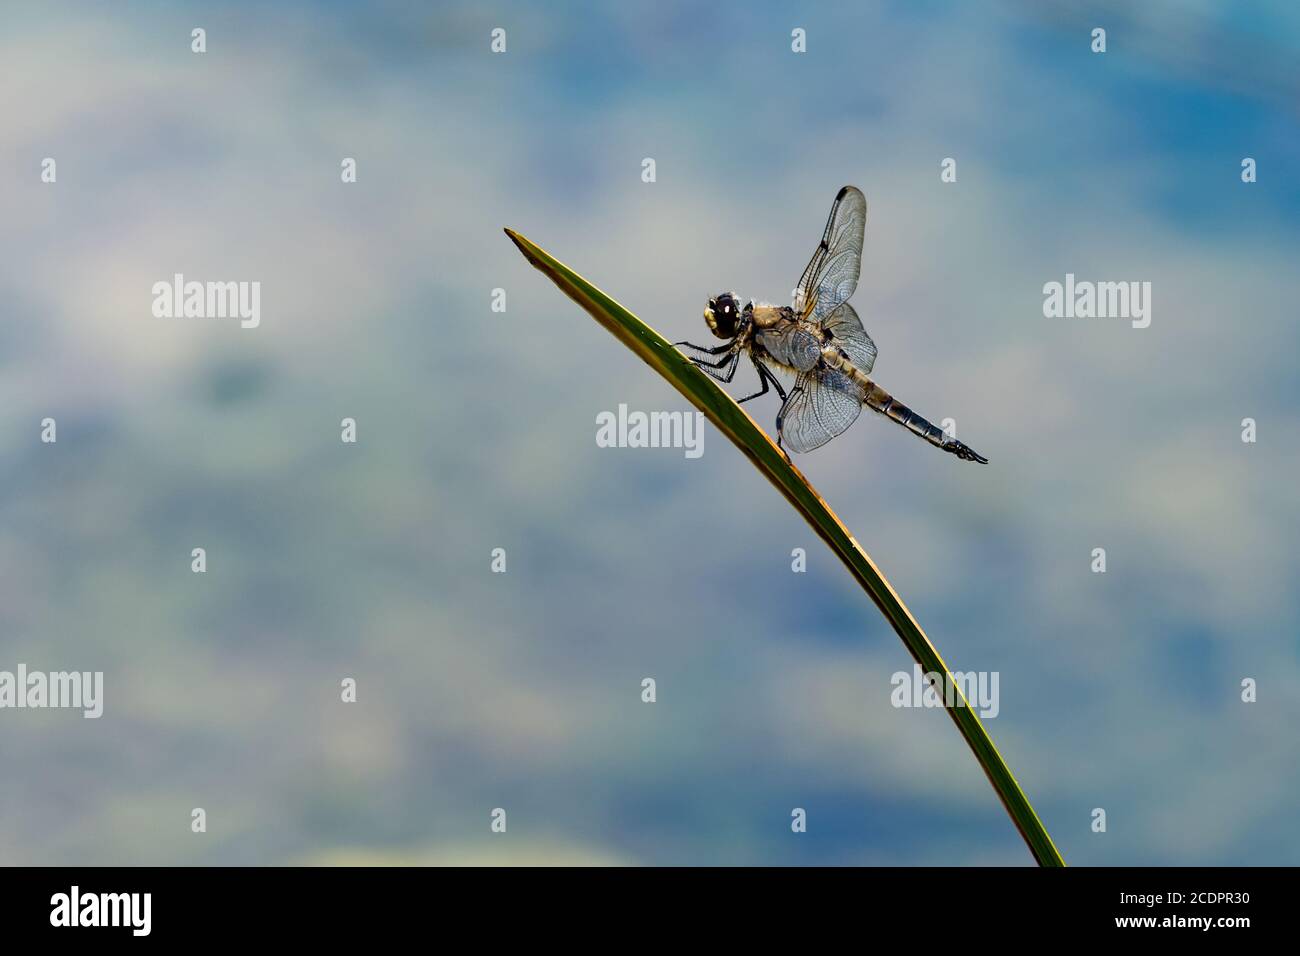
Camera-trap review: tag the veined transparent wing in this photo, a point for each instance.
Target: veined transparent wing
(821, 405)
(847, 328)
(832, 274)
(791, 344)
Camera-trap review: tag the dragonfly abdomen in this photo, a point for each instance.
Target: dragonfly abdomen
(837, 359)
(879, 400)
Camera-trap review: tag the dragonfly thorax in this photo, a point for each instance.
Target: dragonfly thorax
(725, 316)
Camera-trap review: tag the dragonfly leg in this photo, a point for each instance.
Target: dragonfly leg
(771, 377)
(719, 363)
(780, 416)
(765, 376)
(710, 368)
(762, 378)
(700, 348)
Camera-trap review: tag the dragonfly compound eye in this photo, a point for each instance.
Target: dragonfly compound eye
(723, 315)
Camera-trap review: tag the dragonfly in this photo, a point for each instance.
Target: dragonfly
(819, 340)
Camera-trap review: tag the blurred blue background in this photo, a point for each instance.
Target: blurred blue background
(477, 431)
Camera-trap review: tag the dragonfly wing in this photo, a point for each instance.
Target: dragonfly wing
(831, 275)
(791, 345)
(821, 405)
(847, 328)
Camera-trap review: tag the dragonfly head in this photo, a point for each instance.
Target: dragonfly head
(723, 315)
